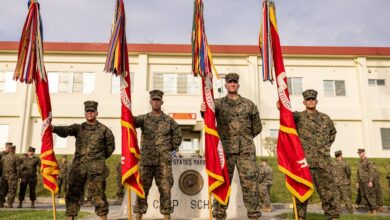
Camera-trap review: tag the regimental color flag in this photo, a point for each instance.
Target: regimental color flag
(118, 63)
(30, 68)
(202, 65)
(291, 157)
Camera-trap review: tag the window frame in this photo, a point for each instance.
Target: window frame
(385, 140)
(290, 85)
(176, 90)
(334, 89)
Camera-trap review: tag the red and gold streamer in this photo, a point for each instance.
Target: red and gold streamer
(118, 63)
(30, 68)
(202, 65)
(291, 157)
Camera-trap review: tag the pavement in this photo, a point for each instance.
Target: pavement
(278, 208)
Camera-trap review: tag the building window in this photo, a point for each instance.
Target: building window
(71, 82)
(334, 88)
(189, 146)
(376, 82)
(385, 134)
(294, 85)
(60, 142)
(219, 86)
(176, 83)
(116, 83)
(7, 84)
(4, 129)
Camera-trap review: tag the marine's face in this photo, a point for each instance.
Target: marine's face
(310, 103)
(156, 104)
(232, 86)
(90, 115)
(361, 155)
(263, 163)
(30, 153)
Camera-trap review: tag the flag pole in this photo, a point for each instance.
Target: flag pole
(54, 205)
(295, 208)
(129, 202)
(210, 210)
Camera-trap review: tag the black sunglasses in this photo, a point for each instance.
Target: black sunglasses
(89, 110)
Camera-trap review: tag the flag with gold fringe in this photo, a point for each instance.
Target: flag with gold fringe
(30, 68)
(118, 63)
(291, 157)
(202, 65)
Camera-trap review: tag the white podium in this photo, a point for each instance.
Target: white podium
(186, 206)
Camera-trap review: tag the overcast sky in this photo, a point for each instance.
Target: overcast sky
(301, 22)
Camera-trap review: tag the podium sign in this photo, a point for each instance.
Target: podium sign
(189, 193)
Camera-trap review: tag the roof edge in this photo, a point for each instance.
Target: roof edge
(216, 49)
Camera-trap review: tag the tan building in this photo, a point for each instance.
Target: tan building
(353, 86)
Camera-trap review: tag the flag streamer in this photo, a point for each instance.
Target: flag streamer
(291, 157)
(118, 63)
(30, 68)
(202, 65)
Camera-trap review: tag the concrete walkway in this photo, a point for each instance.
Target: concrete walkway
(278, 208)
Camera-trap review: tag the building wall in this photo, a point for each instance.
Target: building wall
(358, 115)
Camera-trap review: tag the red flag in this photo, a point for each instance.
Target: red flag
(291, 157)
(30, 68)
(118, 63)
(202, 65)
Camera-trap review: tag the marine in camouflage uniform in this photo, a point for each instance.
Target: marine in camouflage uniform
(10, 164)
(342, 180)
(2, 153)
(29, 168)
(265, 180)
(238, 123)
(317, 133)
(120, 188)
(160, 136)
(366, 174)
(63, 177)
(94, 144)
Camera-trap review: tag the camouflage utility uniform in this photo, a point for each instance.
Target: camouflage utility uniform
(342, 181)
(29, 169)
(94, 144)
(265, 180)
(317, 133)
(2, 153)
(160, 136)
(238, 123)
(120, 188)
(366, 173)
(10, 164)
(63, 177)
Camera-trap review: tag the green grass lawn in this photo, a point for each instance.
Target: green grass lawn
(279, 192)
(314, 216)
(36, 215)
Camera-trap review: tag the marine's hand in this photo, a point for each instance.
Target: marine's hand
(203, 107)
(278, 104)
(357, 185)
(370, 185)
